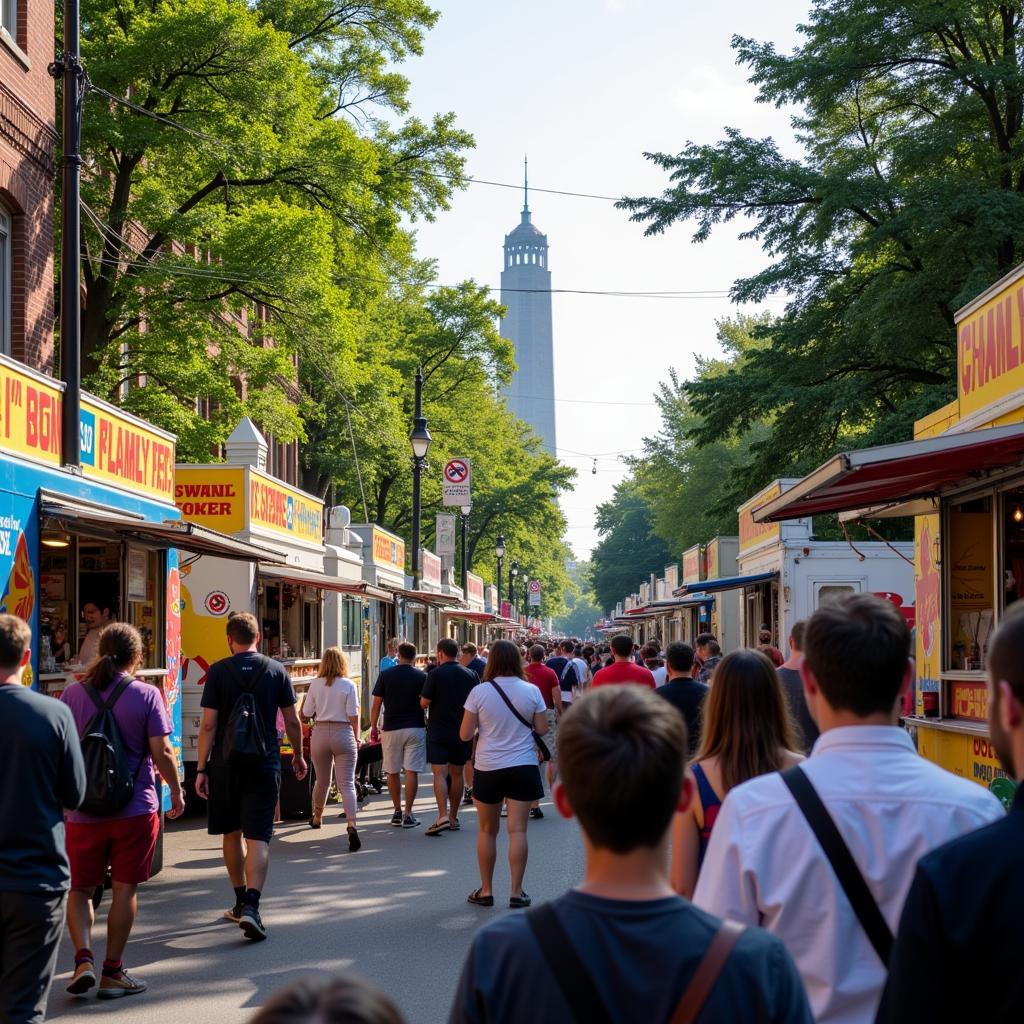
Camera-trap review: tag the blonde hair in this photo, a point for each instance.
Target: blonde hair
(332, 665)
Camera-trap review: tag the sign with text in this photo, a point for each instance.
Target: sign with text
(457, 483)
(474, 588)
(388, 550)
(534, 593)
(692, 564)
(754, 534)
(672, 577)
(713, 559)
(212, 496)
(446, 529)
(968, 699)
(431, 568)
(275, 506)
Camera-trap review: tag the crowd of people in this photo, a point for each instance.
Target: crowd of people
(759, 826)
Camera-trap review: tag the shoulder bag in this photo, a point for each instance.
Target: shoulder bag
(577, 985)
(542, 747)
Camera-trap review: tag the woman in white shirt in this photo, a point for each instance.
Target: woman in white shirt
(505, 765)
(333, 701)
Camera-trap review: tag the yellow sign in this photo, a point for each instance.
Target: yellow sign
(282, 509)
(990, 345)
(116, 448)
(965, 754)
(388, 550)
(211, 496)
(752, 534)
(692, 564)
(712, 559)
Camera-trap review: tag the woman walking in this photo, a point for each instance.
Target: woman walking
(333, 702)
(506, 710)
(747, 732)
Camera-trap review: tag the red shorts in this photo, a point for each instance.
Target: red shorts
(127, 845)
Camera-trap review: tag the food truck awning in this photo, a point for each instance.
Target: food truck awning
(199, 540)
(443, 601)
(727, 583)
(893, 473)
(484, 618)
(308, 578)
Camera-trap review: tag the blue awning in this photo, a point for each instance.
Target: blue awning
(728, 583)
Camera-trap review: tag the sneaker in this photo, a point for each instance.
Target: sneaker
(251, 924)
(119, 986)
(467, 797)
(396, 819)
(235, 913)
(354, 842)
(536, 812)
(83, 979)
(410, 822)
(504, 810)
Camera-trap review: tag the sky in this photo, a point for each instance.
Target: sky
(584, 88)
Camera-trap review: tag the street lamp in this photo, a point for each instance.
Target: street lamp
(499, 550)
(465, 510)
(513, 572)
(420, 440)
(526, 594)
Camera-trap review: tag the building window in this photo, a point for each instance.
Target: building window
(5, 275)
(9, 17)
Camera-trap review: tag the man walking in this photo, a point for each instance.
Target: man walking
(242, 783)
(471, 659)
(444, 696)
(41, 773)
(403, 738)
(766, 865)
(589, 954)
(546, 681)
(767, 646)
(623, 669)
(793, 688)
(963, 915)
(683, 692)
(710, 654)
(390, 660)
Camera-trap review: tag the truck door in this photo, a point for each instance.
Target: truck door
(825, 592)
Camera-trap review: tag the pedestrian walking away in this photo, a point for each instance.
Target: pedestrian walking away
(509, 713)
(333, 702)
(546, 681)
(964, 915)
(239, 758)
(624, 669)
(125, 732)
(41, 773)
(564, 666)
(709, 654)
(404, 735)
(793, 688)
(683, 692)
(746, 732)
(390, 660)
(328, 999)
(470, 658)
(883, 808)
(444, 697)
(589, 955)
(767, 645)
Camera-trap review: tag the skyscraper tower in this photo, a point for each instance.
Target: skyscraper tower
(526, 294)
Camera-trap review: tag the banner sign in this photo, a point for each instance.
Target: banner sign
(457, 483)
(446, 530)
(474, 588)
(211, 496)
(388, 550)
(506, 610)
(534, 592)
(431, 567)
(276, 506)
(752, 534)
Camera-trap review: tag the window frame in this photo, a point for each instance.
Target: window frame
(6, 275)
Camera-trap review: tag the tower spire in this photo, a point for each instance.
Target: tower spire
(526, 185)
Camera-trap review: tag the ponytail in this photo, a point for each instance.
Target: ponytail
(120, 649)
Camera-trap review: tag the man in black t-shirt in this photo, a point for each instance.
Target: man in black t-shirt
(242, 798)
(403, 738)
(444, 695)
(684, 692)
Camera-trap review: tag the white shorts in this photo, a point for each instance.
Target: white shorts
(404, 748)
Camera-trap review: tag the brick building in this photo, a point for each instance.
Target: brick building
(28, 140)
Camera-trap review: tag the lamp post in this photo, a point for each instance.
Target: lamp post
(499, 550)
(526, 594)
(465, 510)
(513, 572)
(420, 440)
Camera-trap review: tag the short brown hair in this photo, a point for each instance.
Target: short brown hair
(536, 653)
(796, 635)
(621, 756)
(746, 719)
(15, 640)
(448, 647)
(1006, 650)
(622, 645)
(469, 648)
(329, 999)
(243, 628)
(505, 659)
(857, 648)
(407, 651)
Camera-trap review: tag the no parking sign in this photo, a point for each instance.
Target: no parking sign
(456, 488)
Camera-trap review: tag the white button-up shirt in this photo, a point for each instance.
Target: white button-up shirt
(765, 867)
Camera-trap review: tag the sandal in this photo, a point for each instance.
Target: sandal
(454, 825)
(438, 827)
(480, 901)
(520, 901)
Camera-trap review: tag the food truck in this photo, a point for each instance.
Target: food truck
(283, 582)
(962, 478)
(383, 558)
(785, 573)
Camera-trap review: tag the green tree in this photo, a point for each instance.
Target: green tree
(582, 610)
(907, 201)
(628, 551)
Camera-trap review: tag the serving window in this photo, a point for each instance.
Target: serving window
(290, 616)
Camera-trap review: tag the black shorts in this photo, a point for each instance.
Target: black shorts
(243, 799)
(448, 750)
(521, 782)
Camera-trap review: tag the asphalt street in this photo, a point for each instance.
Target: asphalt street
(395, 913)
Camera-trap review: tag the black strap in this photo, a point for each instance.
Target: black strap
(839, 856)
(545, 753)
(101, 705)
(248, 687)
(566, 967)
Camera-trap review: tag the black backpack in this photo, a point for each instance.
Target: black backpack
(109, 782)
(570, 677)
(244, 740)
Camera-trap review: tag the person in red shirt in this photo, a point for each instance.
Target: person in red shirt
(623, 669)
(766, 647)
(546, 680)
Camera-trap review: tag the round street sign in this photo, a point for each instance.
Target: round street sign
(534, 586)
(456, 471)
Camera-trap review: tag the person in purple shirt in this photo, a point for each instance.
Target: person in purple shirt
(125, 841)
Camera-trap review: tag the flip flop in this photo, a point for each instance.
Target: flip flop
(454, 825)
(480, 901)
(438, 827)
(520, 901)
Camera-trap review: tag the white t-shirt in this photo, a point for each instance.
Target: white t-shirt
(504, 741)
(660, 676)
(335, 703)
